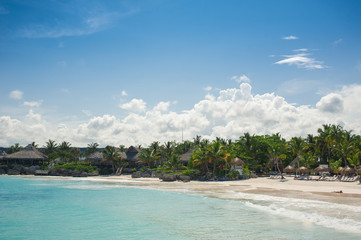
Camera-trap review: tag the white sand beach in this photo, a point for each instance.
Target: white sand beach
(288, 187)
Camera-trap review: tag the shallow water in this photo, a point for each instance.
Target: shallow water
(39, 208)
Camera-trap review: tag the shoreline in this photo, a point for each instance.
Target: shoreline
(234, 190)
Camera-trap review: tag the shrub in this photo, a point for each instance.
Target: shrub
(234, 175)
(84, 167)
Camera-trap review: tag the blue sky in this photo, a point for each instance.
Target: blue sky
(133, 72)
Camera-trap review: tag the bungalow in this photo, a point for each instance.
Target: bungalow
(237, 165)
(28, 155)
(185, 157)
(131, 156)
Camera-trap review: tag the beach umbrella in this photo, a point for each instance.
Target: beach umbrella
(347, 170)
(303, 170)
(321, 169)
(339, 170)
(289, 169)
(237, 162)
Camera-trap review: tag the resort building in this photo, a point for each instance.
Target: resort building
(26, 156)
(131, 156)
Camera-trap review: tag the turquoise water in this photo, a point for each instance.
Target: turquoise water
(39, 208)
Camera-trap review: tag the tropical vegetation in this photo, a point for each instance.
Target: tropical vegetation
(332, 145)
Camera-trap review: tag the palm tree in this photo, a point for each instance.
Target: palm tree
(174, 162)
(65, 146)
(34, 144)
(14, 148)
(92, 148)
(74, 154)
(216, 153)
(197, 140)
(50, 147)
(148, 156)
(297, 145)
(111, 155)
(276, 151)
(200, 157)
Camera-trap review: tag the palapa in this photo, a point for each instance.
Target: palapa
(28, 154)
(347, 170)
(237, 162)
(303, 170)
(289, 169)
(321, 169)
(185, 157)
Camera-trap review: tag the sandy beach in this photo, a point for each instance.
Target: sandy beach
(288, 187)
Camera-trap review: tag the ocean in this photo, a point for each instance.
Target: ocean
(55, 208)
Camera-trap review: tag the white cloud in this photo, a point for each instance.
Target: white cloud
(124, 93)
(332, 103)
(87, 112)
(208, 88)
(291, 37)
(301, 60)
(136, 105)
(16, 94)
(33, 116)
(33, 104)
(301, 50)
(241, 79)
(228, 114)
(162, 106)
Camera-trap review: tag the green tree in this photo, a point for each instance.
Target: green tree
(149, 156)
(92, 148)
(14, 148)
(174, 162)
(112, 155)
(50, 147)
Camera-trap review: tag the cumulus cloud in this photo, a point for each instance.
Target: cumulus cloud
(33, 116)
(242, 78)
(16, 94)
(229, 114)
(124, 93)
(332, 103)
(302, 60)
(291, 37)
(33, 103)
(162, 106)
(135, 105)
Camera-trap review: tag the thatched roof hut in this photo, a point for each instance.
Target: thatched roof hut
(2, 154)
(303, 170)
(347, 170)
(339, 170)
(97, 158)
(132, 154)
(27, 155)
(237, 162)
(289, 169)
(321, 169)
(185, 157)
